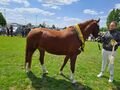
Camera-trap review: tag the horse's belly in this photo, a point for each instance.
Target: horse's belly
(57, 52)
(57, 48)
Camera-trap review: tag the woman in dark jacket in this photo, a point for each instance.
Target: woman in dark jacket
(111, 41)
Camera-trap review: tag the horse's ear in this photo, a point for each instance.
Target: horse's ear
(98, 20)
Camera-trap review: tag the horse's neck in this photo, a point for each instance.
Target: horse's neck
(85, 33)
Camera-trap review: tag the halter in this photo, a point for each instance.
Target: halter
(80, 36)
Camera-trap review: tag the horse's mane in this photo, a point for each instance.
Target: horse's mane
(84, 24)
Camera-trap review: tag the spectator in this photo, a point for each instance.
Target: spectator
(7, 31)
(11, 30)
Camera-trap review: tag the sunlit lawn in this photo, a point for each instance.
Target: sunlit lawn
(13, 76)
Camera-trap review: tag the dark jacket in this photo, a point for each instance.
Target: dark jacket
(106, 39)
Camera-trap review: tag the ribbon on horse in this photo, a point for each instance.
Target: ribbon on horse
(80, 36)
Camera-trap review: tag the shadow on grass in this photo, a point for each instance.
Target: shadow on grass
(49, 83)
(105, 77)
(117, 84)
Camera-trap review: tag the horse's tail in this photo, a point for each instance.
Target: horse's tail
(26, 54)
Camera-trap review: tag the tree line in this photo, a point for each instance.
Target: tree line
(114, 15)
(2, 20)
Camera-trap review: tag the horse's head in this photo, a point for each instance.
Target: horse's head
(93, 28)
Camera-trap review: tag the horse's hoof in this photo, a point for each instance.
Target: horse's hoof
(61, 73)
(27, 70)
(73, 81)
(46, 72)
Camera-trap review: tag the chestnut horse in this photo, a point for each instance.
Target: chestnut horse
(63, 42)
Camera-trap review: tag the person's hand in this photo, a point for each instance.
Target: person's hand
(99, 39)
(113, 42)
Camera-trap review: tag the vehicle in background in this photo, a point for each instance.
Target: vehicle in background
(2, 30)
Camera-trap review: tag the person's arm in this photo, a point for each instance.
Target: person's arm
(101, 39)
(118, 41)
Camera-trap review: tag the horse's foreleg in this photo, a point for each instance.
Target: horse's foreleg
(42, 54)
(64, 63)
(28, 58)
(72, 67)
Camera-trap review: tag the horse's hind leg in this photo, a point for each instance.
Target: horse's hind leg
(64, 63)
(41, 58)
(28, 58)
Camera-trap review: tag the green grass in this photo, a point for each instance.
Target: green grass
(13, 76)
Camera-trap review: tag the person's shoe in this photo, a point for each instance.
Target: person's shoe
(110, 79)
(100, 74)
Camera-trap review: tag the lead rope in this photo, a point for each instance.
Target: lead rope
(112, 55)
(99, 46)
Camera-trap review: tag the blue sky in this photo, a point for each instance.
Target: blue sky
(59, 12)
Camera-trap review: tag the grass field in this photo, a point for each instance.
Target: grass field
(13, 76)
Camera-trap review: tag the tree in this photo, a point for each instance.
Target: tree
(53, 26)
(119, 26)
(114, 15)
(64, 27)
(40, 25)
(2, 20)
(43, 25)
(103, 29)
(29, 25)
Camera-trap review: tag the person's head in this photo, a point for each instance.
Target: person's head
(113, 25)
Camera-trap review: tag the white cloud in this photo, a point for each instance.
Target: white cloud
(91, 12)
(18, 14)
(29, 10)
(55, 4)
(12, 16)
(58, 2)
(110, 10)
(15, 18)
(47, 20)
(68, 19)
(4, 2)
(25, 2)
(103, 17)
(51, 6)
(62, 21)
(117, 5)
(101, 12)
(58, 17)
(7, 2)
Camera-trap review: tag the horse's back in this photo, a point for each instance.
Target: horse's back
(48, 33)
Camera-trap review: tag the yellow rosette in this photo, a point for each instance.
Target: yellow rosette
(113, 42)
